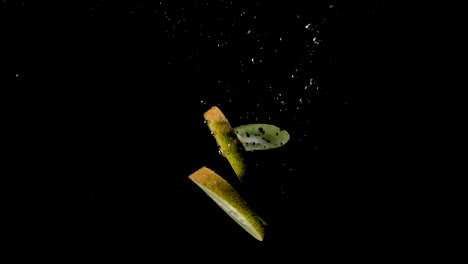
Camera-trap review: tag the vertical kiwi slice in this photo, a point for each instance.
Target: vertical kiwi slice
(230, 201)
(229, 144)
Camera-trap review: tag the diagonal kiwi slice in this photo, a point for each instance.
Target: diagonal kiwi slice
(229, 144)
(230, 201)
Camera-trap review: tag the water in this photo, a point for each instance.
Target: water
(126, 99)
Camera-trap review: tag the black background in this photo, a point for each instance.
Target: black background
(107, 102)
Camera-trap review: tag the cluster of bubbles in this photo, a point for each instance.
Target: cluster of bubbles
(265, 67)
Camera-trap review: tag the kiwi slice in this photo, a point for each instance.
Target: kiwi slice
(261, 136)
(230, 201)
(229, 144)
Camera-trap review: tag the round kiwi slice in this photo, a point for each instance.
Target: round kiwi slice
(261, 136)
(230, 201)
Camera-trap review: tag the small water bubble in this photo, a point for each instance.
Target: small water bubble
(315, 40)
(249, 31)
